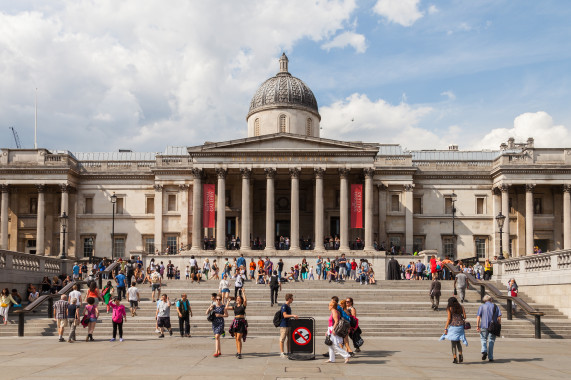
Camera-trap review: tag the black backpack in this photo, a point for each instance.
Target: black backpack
(278, 316)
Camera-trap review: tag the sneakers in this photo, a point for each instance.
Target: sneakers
(239, 356)
(120, 340)
(223, 334)
(157, 330)
(282, 355)
(112, 340)
(162, 336)
(61, 340)
(484, 355)
(170, 332)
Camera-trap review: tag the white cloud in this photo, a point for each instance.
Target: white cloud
(432, 9)
(403, 12)
(356, 40)
(449, 94)
(538, 125)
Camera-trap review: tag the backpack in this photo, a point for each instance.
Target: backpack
(278, 317)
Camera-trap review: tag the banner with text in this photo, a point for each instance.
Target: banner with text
(209, 205)
(357, 206)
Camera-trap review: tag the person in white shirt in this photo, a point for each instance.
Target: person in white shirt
(134, 296)
(193, 265)
(75, 294)
(223, 287)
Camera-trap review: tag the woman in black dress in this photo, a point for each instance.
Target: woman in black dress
(218, 322)
(239, 328)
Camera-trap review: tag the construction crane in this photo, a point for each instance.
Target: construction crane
(16, 138)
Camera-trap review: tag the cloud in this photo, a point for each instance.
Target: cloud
(359, 118)
(403, 12)
(449, 94)
(357, 41)
(538, 125)
(432, 9)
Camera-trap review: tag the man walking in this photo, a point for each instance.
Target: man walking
(60, 315)
(460, 283)
(435, 288)
(163, 315)
(275, 284)
(75, 294)
(75, 270)
(284, 325)
(134, 297)
(488, 312)
(184, 314)
(72, 318)
(156, 283)
(121, 286)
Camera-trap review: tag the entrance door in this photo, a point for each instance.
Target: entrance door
(334, 226)
(231, 226)
(283, 228)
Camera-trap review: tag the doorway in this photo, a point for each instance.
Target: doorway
(334, 226)
(231, 226)
(283, 228)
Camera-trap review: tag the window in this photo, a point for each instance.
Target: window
(88, 245)
(149, 243)
(417, 205)
(150, 207)
(395, 241)
(33, 209)
(120, 205)
(537, 206)
(88, 205)
(511, 206)
(480, 244)
(119, 245)
(171, 243)
(171, 202)
(257, 127)
(480, 206)
(448, 246)
(282, 123)
(308, 127)
(31, 243)
(395, 203)
(418, 243)
(448, 205)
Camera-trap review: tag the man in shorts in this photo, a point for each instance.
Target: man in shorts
(156, 282)
(60, 315)
(284, 324)
(134, 297)
(163, 315)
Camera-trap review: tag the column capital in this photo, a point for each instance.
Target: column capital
(197, 173)
(158, 187)
(504, 188)
(344, 172)
(529, 187)
(183, 187)
(270, 173)
(246, 173)
(41, 188)
(65, 188)
(4, 188)
(382, 187)
(319, 172)
(369, 172)
(408, 187)
(294, 172)
(567, 188)
(221, 173)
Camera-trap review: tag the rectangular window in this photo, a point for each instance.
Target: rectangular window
(119, 245)
(171, 202)
(480, 244)
(417, 205)
(395, 203)
(119, 207)
(33, 209)
(537, 206)
(418, 243)
(448, 246)
(448, 205)
(171, 243)
(150, 207)
(480, 206)
(89, 205)
(88, 246)
(149, 243)
(395, 240)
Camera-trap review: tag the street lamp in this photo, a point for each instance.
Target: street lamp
(500, 219)
(114, 202)
(63, 222)
(453, 198)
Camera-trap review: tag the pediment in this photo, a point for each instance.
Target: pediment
(283, 142)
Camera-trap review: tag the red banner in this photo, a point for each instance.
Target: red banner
(356, 206)
(208, 205)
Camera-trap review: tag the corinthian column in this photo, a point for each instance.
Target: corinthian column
(270, 214)
(344, 209)
(529, 219)
(319, 172)
(245, 223)
(221, 210)
(408, 222)
(369, 173)
(196, 209)
(158, 217)
(40, 223)
(4, 217)
(294, 238)
(566, 216)
(506, 212)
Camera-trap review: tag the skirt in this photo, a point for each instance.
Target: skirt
(239, 326)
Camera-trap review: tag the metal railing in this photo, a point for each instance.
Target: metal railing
(497, 294)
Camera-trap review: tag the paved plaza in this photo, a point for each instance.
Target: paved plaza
(179, 358)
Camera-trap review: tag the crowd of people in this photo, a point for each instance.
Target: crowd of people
(437, 268)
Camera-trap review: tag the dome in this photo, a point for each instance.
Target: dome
(283, 90)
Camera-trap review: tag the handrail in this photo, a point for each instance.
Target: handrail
(498, 295)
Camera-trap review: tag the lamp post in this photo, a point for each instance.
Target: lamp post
(453, 198)
(114, 202)
(63, 222)
(500, 219)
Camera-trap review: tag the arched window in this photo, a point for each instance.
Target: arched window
(308, 126)
(257, 127)
(282, 123)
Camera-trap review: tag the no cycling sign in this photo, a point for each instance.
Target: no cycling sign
(301, 336)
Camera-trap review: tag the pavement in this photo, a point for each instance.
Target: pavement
(144, 357)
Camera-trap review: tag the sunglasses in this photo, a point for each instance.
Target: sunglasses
(218, 299)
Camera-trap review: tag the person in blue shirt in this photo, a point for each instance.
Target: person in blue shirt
(75, 271)
(488, 312)
(241, 262)
(120, 280)
(285, 330)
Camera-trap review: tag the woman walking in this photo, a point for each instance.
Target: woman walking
(345, 314)
(224, 288)
(107, 292)
(5, 301)
(118, 317)
(336, 341)
(215, 270)
(206, 268)
(512, 291)
(304, 269)
(220, 313)
(93, 292)
(239, 328)
(454, 329)
(92, 313)
(355, 331)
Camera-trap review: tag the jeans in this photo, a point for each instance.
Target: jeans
(487, 341)
(121, 292)
(184, 325)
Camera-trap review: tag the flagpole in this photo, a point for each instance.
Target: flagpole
(36, 121)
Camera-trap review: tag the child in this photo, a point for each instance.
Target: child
(187, 273)
(119, 315)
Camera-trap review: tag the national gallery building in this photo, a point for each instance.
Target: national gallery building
(283, 182)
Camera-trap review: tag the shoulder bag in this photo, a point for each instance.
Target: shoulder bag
(495, 327)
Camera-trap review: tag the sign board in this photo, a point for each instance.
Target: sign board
(302, 339)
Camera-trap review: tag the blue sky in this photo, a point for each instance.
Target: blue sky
(423, 74)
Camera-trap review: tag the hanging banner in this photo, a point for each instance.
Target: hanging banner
(209, 205)
(357, 206)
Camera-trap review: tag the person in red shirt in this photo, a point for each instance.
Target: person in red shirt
(353, 275)
(432, 267)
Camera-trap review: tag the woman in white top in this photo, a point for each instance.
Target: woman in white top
(223, 288)
(206, 268)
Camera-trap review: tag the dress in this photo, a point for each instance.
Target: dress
(218, 322)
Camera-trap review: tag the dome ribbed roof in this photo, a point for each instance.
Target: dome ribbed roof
(283, 90)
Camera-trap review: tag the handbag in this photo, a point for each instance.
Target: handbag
(467, 326)
(85, 321)
(328, 341)
(211, 316)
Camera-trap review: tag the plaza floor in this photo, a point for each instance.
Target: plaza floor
(180, 358)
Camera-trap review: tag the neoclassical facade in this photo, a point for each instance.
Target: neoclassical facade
(283, 179)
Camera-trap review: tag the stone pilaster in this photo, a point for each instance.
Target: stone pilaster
(245, 223)
(506, 212)
(158, 217)
(408, 222)
(382, 214)
(65, 189)
(183, 202)
(567, 216)
(4, 216)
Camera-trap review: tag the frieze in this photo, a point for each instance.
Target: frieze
(281, 159)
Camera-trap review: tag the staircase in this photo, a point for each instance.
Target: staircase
(387, 309)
